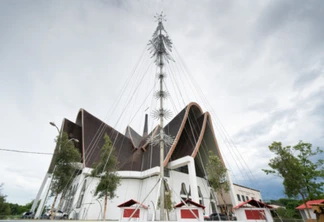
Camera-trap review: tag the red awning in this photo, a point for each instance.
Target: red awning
(253, 203)
(189, 202)
(131, 202)
(309, 204)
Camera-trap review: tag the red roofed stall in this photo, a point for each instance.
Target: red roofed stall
(253, 210)
(191, 211)
(133, 210)
(303, 209)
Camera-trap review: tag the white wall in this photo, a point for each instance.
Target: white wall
(246, 192)
(135, 188)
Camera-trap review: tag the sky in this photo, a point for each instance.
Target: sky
(258, 63)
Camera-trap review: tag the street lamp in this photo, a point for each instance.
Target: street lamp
(53, 124)
(74, 140)
(47, 176)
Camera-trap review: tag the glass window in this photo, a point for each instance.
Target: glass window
(79, 203)
(183, 191)
(238, 197)
(247, 198)
(201, 198)
(243, 198)
(212, 201)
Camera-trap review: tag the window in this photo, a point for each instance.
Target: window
(212, 201)
(247, 198)
(238, 197)
(201, 198)
(79, 203)
(183, 191)
(243, 198)
(189, 193)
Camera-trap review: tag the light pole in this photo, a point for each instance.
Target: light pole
(48, 175)
(53, 124)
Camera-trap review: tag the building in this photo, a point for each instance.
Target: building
(243, 194)
(139, 166)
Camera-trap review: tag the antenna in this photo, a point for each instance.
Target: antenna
(160, 47)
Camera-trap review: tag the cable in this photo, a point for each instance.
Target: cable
(22, 151)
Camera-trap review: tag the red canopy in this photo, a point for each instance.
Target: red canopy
(189, 202)
(254, 203)
(309, 204)
(131, 202)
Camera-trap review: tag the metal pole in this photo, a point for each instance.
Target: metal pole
(161, 133)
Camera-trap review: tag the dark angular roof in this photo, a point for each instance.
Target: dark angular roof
(191, 129)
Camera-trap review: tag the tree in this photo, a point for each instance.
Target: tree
(216, 173)
(17, 209)
(64, 158)
(302, 176)
(287, 209)
(168, 204)
(4, 206)
(106, 170)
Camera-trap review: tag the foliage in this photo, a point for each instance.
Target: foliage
(4, 206)
(106, 170)
(168, 204)
(17, 209)
(300, 174)
(216, 173)
(64, 157)
(288, 209)
(287, 213)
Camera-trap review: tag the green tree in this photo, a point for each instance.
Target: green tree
(4, 206)
(168, 204)
(18, 210)
(216, 173)
(106, 170)
(301, 176)
(287, 209)
(65, 157)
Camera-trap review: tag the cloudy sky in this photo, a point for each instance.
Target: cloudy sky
(259, 64)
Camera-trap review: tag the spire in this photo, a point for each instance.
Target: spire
(145, 131)
(160, 47)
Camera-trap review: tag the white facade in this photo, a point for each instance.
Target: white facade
(142, 186)
(242, 194)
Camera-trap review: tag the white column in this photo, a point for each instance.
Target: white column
(231, 192)
(47, 188)
(193, 180)
(40, 191)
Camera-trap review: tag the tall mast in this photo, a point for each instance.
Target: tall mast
(160, 47)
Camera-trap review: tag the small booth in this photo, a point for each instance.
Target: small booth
(133, 210)
(191, 211)
(253, 210)
(303, 209)
(318, 209)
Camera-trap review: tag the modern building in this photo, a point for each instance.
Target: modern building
(139, 167)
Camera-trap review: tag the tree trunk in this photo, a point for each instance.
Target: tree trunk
(225, 205)
(52, 208)
(168, 215)
(105, 208)
(59, 207)
(304, 200)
